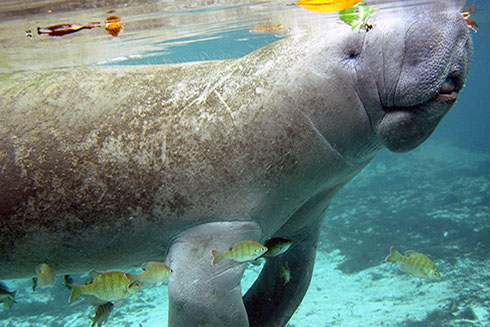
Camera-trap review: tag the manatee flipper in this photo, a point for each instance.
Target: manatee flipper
(203, 294)
(271, 302)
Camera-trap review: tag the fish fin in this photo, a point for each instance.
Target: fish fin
(394, 255)
(117, 304)
(134, 283)
(410, 252)
(92, 319)
(404, 269)
(133, 277)
(93, 274)
(76, 292)
(217, 256)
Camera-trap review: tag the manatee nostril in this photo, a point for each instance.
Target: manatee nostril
(352, 55)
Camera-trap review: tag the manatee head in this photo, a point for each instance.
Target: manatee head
(386, 86)
(411, 66)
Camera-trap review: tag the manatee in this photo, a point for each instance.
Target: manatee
(108, 167)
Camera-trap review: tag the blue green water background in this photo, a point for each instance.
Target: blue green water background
(434, 199)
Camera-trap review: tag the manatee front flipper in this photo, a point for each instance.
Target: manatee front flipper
(272, 300)
(202, 294)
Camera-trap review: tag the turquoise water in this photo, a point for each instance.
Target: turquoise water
(435, 199)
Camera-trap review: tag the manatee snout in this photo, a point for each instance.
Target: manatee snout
(432, 73)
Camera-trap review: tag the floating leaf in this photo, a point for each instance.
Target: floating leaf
(357, 16)
(326, 5)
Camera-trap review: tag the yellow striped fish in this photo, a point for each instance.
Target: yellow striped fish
(45, 276)
(240, 252)
(154, 272)
(6, 296)
(102, 313)
(108, 286)
(414, 263)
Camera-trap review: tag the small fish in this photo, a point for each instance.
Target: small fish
(414, 263)
(266, 29)
(240, 252)
(64, 29)
(45, 276)
(285, 273)
(325, 6)
(153, 272)
(68, 280)
(108, 286)
(276, 246)
(34, 283)
(6, 296)
(102, 313)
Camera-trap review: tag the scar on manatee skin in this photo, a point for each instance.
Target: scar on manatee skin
(226, 106)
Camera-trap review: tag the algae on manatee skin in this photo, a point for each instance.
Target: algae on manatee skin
(5, 76)
(12, 84)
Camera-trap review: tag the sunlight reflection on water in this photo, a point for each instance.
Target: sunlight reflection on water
(154, 32)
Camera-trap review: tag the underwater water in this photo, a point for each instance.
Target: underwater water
(434, 199)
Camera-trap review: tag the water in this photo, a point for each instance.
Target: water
(434, 199)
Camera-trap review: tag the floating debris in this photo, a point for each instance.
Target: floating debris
(64, 29)
(470, 23)
(325, 6)
(266, 29)
(113, 25)
(357, 16)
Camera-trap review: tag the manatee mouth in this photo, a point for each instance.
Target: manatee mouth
(402, 128)
(447, 94)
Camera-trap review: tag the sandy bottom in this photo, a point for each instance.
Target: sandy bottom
(379, 296)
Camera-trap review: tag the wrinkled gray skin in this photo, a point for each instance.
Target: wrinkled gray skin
(107, 168)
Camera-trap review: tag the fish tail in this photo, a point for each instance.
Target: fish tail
(218, 256)
(93, 319)
(394, 255)
(76, 292)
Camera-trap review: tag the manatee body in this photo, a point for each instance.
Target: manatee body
(106, 168)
